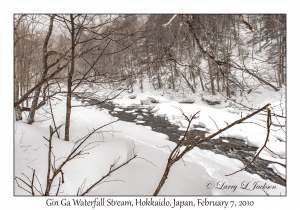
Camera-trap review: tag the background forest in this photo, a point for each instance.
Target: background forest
(227, 55)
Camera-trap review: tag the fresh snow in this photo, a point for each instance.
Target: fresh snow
(130, 111)
(278, 169)
(142, 175)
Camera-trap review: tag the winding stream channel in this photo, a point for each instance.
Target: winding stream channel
(230, 147)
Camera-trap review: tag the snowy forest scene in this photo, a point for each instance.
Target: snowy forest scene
(149, 104)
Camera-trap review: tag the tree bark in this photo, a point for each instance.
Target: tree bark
(70, 77)
(35, 100)
(200, 78)
(212, 85)
(40, 84)
(279, 72)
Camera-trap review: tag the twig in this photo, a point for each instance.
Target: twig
(166, 24)
(112, 169)
(146, 160)
(81, 187)
(259, 125)
(215, 123)
(279, 121)
(273, 152)
(267, 138)
(16, 178)
(41, 189)
(32, 182)
(59, 181)
(165, 146)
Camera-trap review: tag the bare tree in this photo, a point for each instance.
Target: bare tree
(44, 72)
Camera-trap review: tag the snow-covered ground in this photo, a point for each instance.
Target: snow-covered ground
(200, 173)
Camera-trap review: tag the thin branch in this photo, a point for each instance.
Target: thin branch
(111, 170)
(273, 152)
(32, 182)
(146, 160)
(16, 179)
(168, 23)
(267, 138)
(215, 123)
(59, 182)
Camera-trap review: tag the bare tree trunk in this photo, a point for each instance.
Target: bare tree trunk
(187, 81)
(228, 70)
(279, 63)
(283, 63)
(212, 85)
(227, 83)
(141, 81)
(158, 77)
(172, 77)
(260, 20)
(253, 39)
(27, 87)
(35, 100)
(212, 58)
(18, 112)
(238, 40)
(200, 77)
(217, 55)
(70, 77)
(279, 56)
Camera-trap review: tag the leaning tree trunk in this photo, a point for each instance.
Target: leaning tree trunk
(35, 100)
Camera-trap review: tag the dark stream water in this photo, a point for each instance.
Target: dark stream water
(234, 148)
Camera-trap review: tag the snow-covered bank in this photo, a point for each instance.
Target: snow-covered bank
(201, 173)
(252, 131)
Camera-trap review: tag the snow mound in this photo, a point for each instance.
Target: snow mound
(236, 134)
(129, 111)
(132, 96)
(278, 169)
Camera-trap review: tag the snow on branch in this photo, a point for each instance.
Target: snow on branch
(168, 23)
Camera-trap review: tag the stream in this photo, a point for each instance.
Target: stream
(232, 148)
